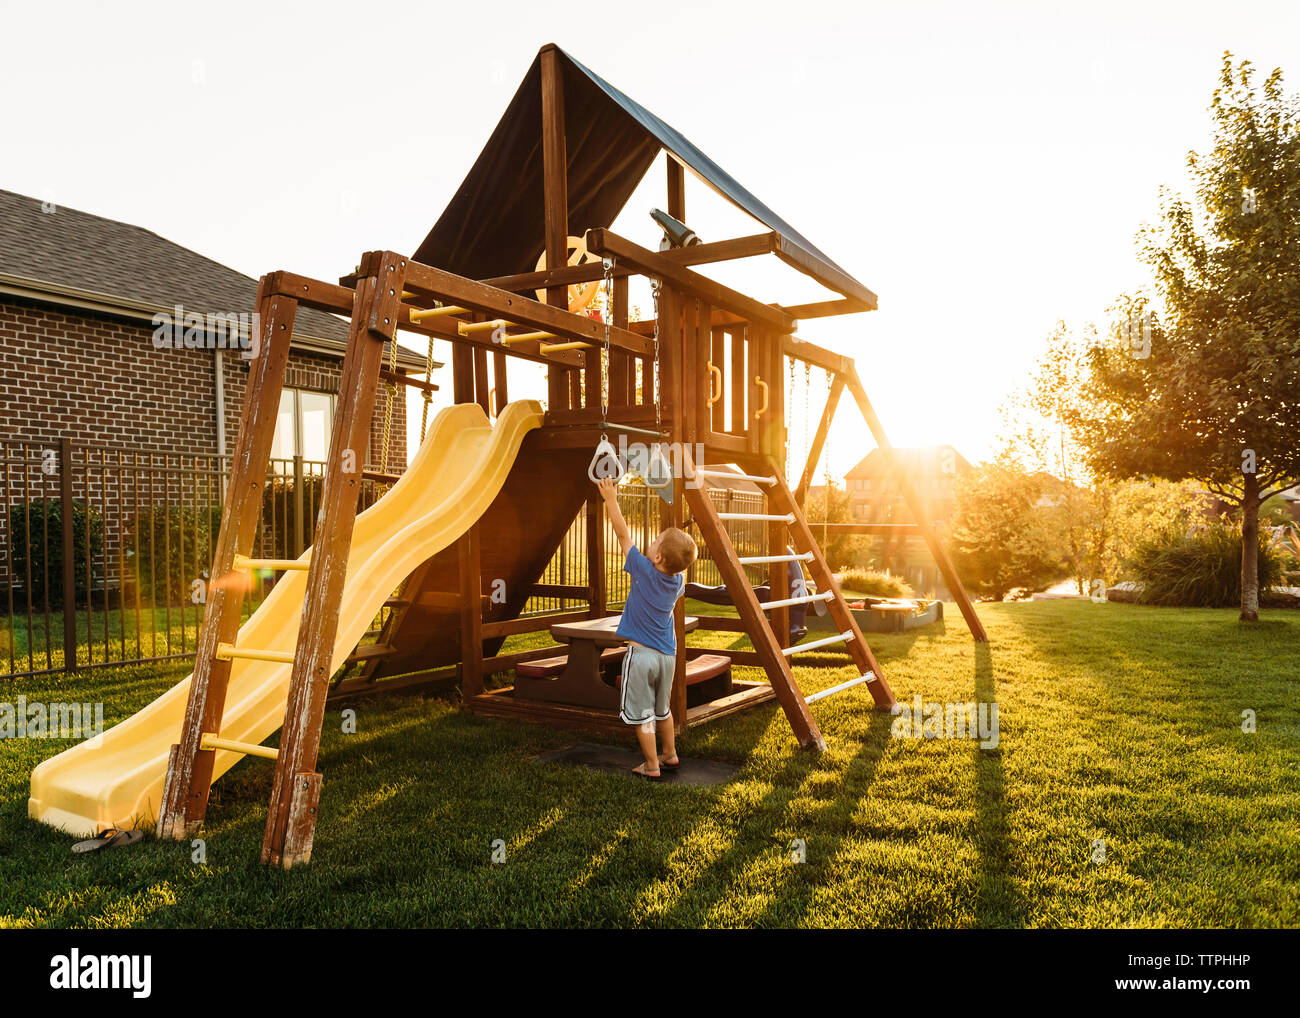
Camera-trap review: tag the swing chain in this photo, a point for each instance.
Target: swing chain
(654, 293)
(827, 445)
(428, 396)
(608, 264)
(388, 414)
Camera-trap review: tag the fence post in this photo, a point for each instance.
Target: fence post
(298, 508)
(68, 540)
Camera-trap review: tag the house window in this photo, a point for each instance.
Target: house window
(303, 426)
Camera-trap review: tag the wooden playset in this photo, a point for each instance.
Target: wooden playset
(703, 378)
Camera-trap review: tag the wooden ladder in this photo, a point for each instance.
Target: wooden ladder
(295, 791)
(770, 636)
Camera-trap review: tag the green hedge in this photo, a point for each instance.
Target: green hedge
(1199, 570)
(33, 563)
(167, 548)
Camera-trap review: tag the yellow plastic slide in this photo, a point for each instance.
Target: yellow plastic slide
(116, 779)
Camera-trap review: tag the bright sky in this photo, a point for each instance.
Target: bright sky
(982, 167)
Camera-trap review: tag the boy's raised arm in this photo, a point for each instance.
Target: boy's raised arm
(608, 489)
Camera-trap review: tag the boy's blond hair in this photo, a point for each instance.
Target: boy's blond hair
(677, 548)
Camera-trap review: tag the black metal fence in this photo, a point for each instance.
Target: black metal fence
(104, 552)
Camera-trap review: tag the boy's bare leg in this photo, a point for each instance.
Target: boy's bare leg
(667, 736)
(645, 737)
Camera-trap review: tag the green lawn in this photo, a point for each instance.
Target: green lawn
(1117, 722)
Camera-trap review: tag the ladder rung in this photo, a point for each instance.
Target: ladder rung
(758, 560)
(527, 337)
(809, 599)
(846, 636)
(210, 741)
(869, 677)
(243, 562)
(228, 651)
(787, 518)
(705, 472)
(561, 347)
(469, 328)
(420, 314)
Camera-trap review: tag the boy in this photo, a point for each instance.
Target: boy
(647, 625)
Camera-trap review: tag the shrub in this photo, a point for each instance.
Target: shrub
(167, 548)
(1201, 569)
(42, 559)
(875, 584)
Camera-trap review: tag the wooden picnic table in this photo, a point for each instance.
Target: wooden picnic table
(581, 681)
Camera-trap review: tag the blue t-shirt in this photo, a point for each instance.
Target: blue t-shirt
(648, 611)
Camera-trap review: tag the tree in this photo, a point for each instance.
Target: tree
(1202, 380)
(1095, 522)
(1000, 540)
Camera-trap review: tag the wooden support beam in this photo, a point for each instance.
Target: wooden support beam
(596, 584)
(676, 188)
(825, 308)
(291, 816)
(816, 355)
(513, 307)
(189, 768)
(555, 203)
(819, 440)
(605, 242)
(697, 254)
(471, 612)
(914, 502)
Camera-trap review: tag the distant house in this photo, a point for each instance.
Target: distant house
(875, 497)
(81, 356)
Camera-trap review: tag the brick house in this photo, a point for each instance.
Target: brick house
(80, 357)
(874, 497)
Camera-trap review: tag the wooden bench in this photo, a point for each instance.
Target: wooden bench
(708, 678)
(550, 667)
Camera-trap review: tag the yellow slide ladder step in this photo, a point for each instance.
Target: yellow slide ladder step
(228, 651)
(211, 741)
(243, 562)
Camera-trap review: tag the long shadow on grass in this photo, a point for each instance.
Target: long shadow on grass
(998, 902)
(825, 829)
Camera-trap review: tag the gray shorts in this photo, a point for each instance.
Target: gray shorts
(647, 685)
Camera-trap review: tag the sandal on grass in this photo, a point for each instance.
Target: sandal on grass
(110, 838)
(640, 772)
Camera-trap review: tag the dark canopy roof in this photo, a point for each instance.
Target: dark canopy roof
(494, 224)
